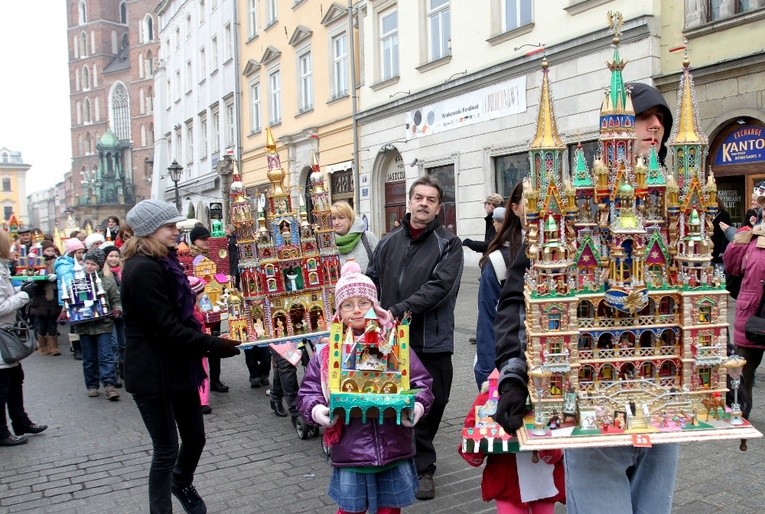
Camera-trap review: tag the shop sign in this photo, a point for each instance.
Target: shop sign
(396, 171)
(744, 145)
(488, 103)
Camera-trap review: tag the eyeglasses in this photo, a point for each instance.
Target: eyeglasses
(363, 305)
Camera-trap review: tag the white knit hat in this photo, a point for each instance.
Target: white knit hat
(93, 238)
(149, 215)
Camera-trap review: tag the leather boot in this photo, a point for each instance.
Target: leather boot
(77, 349)
(42, 345)
(53, 345)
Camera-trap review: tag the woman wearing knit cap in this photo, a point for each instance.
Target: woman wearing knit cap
(96, 335)
(94, 240)
(163, 355)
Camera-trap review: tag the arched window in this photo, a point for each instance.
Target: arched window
(149, 65)
(77, 79)
(123, 13)
(120, 107)
(141, 102)
(88, 144)
(148, 24)
(114, 42)
(85, 78)
(150, 135)
(124, 41)
(83, 45)
(82, 12)
(87, 114)
(98, 109)
(80, 147)
(78, 112)
(95, 77)
(143, 135)
(76, 47)
(150, 100)
(140, 66)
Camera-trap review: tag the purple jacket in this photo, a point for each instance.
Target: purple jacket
(742, 258)
(370, 443)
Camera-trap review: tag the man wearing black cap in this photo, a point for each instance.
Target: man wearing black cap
(198, 238)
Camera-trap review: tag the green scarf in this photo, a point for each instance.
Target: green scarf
(345, 244)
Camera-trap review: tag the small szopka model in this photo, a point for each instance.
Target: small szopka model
(83, 296)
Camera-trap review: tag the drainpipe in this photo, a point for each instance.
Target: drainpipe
(354, 125)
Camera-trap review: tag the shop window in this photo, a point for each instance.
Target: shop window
(509, 170)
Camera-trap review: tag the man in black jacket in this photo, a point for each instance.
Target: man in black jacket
(417, 268)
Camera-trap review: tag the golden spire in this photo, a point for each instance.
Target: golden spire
(687, 130)
(270, 143)
(547, 133)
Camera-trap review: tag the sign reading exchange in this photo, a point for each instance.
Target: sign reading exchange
(743, 145)
(488, 103)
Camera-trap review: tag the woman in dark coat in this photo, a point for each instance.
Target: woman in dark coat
(163, 353)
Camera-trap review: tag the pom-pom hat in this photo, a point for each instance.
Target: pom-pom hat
(149, 215)
(95, 255)
(72, 245)
(94, 238)
(197, 284)
(353, 283)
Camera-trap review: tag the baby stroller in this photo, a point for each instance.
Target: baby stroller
(303, 429)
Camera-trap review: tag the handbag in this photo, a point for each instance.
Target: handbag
(17, 340)
(755, 325)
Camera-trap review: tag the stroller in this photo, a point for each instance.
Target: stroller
(303, 429)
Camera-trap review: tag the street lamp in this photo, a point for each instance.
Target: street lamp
(175, 170)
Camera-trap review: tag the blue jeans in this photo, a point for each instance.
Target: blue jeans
(621, 479)
(98, 360)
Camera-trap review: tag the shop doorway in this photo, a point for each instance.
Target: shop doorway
(395, 203)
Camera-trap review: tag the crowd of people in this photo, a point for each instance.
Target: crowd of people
(154, 338)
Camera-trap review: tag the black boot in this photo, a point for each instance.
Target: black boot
(218, 387)
(278, 408)
(77, 349)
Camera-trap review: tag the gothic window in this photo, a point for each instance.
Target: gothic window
(123, 13)
(120, 112)
(82, 11)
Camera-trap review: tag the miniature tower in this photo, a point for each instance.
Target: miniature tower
(628, 310)
(285, 269)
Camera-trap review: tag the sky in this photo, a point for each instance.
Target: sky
(34, 88)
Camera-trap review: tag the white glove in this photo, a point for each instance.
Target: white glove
(52, 277)
(408, 419)
(320, 415)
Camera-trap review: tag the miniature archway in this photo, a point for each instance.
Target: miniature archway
(668, 337)
(280, 323)
(585, 310)
(586, 373)
(647, 339)
(585, 341)
(606, 340)
(297, 318)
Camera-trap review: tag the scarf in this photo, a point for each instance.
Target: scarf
(185, 297)
(345, 244)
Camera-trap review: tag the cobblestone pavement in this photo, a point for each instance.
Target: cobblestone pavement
(95, 456)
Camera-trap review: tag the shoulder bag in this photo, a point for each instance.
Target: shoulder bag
(17, 340)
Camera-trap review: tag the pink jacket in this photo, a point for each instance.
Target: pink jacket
(742, 258)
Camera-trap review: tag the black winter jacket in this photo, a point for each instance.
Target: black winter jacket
(162, 354)
(482, 246)
(510, 323)
(421, 276)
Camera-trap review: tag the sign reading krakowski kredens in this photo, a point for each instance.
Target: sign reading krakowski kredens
(488, 103)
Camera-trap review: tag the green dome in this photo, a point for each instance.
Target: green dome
(108, 139)
(694, 219)
(626, 190)
(550, 224)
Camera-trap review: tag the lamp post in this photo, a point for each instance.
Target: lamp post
(175, 170)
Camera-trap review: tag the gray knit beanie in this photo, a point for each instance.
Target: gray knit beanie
(149, 215)
(96, 255)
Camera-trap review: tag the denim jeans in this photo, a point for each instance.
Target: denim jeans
(98, 360)
(169, 464)
(621, 479)
(12, 396)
